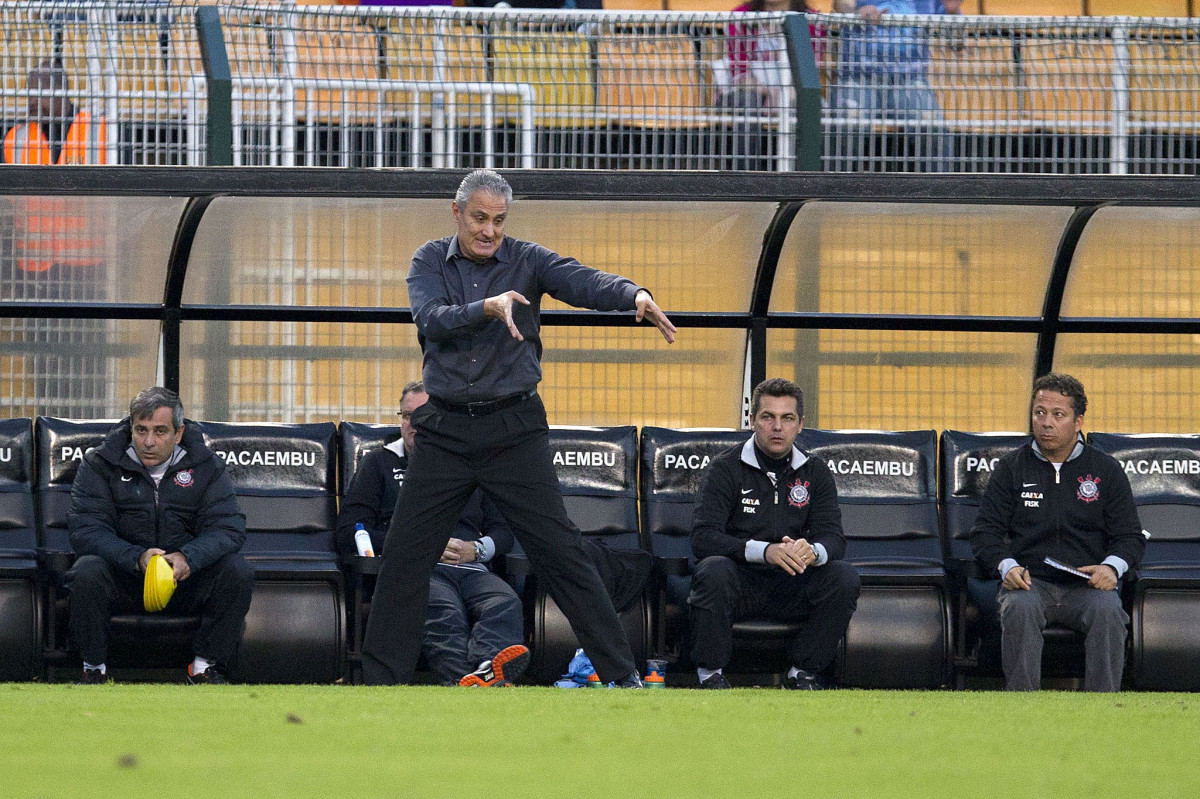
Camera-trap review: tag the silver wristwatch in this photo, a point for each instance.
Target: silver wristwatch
(480, 551)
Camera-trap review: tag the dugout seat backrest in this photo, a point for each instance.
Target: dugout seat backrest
(60, 445)
(1164, 473)
(20, 609)
(355, 441)
(285, 479)
(899, 637)
(967, 463)
(597, 476)
(887, 492)
(672, 464)
(18, 526)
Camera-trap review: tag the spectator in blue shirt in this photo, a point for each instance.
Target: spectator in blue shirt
(883, 76)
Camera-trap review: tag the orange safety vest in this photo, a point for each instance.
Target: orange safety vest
(46, 232)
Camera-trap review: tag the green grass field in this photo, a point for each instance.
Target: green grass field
(132, 741)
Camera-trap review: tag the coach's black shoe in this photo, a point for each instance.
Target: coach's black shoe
(805, 681)
(210, 676)
(716, 682)
(92, 677)
(508, 664)
(634, 680)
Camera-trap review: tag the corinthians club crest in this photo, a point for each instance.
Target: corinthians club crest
(1089, 488)
(798, 494)
(184, 479)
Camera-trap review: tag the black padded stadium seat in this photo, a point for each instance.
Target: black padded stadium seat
(899, 637)
(597, 476)
(285, 479)
(1164, 471)
(20, 600)
(672, 463)
(355, 441)
(967, 462)
(59, 447)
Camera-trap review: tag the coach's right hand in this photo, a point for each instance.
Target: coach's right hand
(501, 307)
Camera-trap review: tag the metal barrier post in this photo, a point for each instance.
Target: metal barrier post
(220, 86)
(807, 81)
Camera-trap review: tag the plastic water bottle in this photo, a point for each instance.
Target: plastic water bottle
(362, 540)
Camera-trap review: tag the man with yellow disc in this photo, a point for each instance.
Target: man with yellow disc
(154, 488)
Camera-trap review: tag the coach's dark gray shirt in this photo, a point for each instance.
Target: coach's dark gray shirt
(470, 358)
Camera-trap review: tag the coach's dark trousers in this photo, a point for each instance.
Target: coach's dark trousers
(507, 453)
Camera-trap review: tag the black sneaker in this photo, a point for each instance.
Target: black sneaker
(92, 677)
(508, 664)
(634, 680)
(716, 682)
(805, 681)
(210, 676)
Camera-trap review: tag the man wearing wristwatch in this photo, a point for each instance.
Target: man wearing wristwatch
(474, 617)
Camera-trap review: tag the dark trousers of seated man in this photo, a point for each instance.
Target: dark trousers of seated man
(821, 600)
(219, 594)
(1096, 614)
(473, 614)
(507, 453)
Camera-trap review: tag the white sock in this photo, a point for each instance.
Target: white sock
(103, 667)
(792, 672)
(200, 665)
(704, 674)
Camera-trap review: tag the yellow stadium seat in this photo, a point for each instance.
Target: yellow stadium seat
(436, 50)
(1069, 85)
(558, 66)
(1164, 84)
(350, 54)
(1032, 8)
(635, 5)
(1138, 8)
(976, 83)
(650, 82)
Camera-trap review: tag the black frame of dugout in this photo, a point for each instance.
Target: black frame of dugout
(1085, 193)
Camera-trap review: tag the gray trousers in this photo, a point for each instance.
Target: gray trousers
(1096, 614)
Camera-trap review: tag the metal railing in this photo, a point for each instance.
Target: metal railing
(446, 87)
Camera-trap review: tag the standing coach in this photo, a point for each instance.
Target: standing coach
(476, 298)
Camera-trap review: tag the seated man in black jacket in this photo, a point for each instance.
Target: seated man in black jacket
(1057, 498)
(767, 533)
(474, 617)
(154, 488)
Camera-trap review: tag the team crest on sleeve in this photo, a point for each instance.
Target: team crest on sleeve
(798, 494)
(184, 479)
(1089, 488)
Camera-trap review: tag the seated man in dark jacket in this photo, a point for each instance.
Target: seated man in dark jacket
(767, 533)
(154, 488)
(474, 617)
(1058, 499)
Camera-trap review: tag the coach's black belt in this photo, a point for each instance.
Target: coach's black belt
(482, 408)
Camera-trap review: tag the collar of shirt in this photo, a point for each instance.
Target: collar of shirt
(502, 253)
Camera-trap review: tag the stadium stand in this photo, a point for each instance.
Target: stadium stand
(967, 460)
(1164, 472)
(899, 636)
(285, 480)
(20, 599)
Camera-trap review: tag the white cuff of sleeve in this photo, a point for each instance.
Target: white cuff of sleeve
(489, 548)
(822, 555)
(756, 551)
(1006, 565)
(1117, 563)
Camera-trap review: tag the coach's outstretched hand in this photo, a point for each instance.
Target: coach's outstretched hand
(647, 308)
